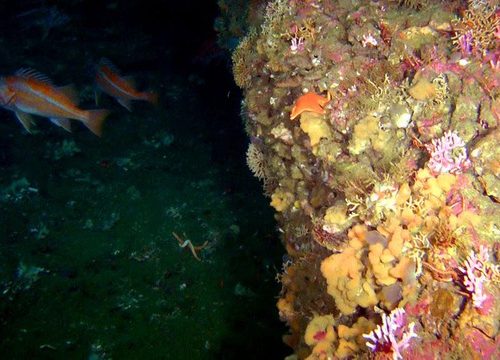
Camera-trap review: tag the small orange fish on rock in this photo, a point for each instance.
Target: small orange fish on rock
(309, 102)
(29, 92)
(110, 81)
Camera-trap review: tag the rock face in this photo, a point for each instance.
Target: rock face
(385, 182)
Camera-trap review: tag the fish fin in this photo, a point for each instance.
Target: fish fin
(95, 119)
(126, 103)
(62, 122)
(106, 62)
(25, 119)
(29, 73)
(9, 99)
(151, 97)
(130, 80)
(70, 92)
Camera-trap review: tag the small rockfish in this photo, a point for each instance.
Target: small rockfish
(45, 18)
(28, 92)
(109, 80)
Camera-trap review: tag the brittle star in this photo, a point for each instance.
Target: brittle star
(183, 243)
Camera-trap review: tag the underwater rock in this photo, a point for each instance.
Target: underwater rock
(391, 175)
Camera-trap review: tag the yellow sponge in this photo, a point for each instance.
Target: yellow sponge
(314, 126)
(343, 274)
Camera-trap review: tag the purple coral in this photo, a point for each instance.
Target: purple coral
(448, 154)
(475, 276)
(393, 335)
(465, 42)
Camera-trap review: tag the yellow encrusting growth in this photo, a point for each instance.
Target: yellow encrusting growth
(351, 339)
(344, 275)
(336, 218)
(315, 127)
(281, 200)
(320, 329)
(423, 90)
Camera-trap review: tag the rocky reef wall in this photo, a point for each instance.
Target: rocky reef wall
(374, 131)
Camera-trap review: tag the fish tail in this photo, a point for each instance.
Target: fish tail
(95, 119)
(151, 97)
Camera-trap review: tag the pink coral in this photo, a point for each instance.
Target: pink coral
(475, 276)
(393, 335)
(448, 154)
(297, 45)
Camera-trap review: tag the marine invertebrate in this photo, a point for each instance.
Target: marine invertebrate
(194, 248)
(309, 102)
(448, 154)
(281, 200)
(351, 340)
(465, 43)
(478, 27)
(315, 127)
(242, 68)
(344, 273)
(320, 329)
(376, 204)
(275, 13)
(475, 276)
(256, 162)
(325, 236)
(393, 336)
(443, 236)
(423, 89)
(444, 304)
(296, 38)
(369, 40)
(296, 44)
(414, 4)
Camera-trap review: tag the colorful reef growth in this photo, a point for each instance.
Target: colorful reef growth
(374, 130)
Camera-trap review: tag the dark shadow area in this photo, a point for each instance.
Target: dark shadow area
(90, 267)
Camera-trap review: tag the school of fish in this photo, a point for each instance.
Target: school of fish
(28, 92)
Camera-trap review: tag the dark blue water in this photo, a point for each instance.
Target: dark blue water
(90, 268)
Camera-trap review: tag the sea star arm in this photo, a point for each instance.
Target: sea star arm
(183, 243)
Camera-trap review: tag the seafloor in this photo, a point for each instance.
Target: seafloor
(89, 268)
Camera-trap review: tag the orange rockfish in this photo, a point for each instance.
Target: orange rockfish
(28, 92)
(109, 80)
